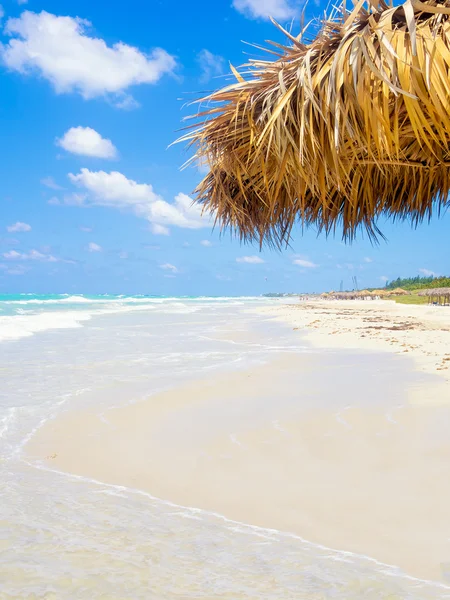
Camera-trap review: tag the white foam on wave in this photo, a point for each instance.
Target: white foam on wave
(26, 323)
(266, 533)
(20, 326)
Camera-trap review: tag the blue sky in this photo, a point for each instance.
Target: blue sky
(92, 198)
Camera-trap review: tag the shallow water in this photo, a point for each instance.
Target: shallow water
(68, 537)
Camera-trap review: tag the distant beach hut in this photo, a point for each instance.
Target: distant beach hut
(398, 292)
(365, 295)
(437, 295)
(335, 131)
(344, 295)
(377, 294)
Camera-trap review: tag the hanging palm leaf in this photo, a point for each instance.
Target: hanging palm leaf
(337, 132)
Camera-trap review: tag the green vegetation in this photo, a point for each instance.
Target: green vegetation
(418, 283)
(412, 299)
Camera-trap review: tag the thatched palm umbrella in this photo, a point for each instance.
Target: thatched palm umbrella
(437, 295)
(364, 295)
(398, 292)
(335, 132)
(380, 293)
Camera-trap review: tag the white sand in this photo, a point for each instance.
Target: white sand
(369, 479)
(422, 332)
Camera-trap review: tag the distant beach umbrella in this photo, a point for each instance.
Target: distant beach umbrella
(398, 292)
(437, 295)
(336, 132)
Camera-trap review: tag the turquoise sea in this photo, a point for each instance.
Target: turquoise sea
(68, 537)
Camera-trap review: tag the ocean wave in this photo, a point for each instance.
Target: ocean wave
(20, 326)
(26, 316)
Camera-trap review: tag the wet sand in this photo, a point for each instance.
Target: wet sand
(348, 450)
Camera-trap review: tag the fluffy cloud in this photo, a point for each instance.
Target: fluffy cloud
(61, 51)
(31, 255)
(256, 9)
(87, 142)
(428, 273)
(169, 267)
(159, 229)
(307, 264)
(211, 65)
(384, 279)
(114, 190)
(2, 12)
(206, 243)
(86, 229)
(50, 183)
(93, 247)
(252, 260)
(22, 2)
(18, 227)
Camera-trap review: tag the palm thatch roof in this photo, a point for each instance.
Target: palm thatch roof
(398, 292)
(336, 132)
(344, 295)
(436, 293)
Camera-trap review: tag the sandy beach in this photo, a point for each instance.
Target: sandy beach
(348, 449)
(420, 331)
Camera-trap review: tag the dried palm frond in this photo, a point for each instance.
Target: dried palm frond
(334, 133)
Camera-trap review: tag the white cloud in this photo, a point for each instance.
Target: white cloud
(53, 201)
(114, 190)
(20, 2)
(51, 183)
(2, 12)
(14, 270)
(123, 255)
(87, 142)
(127, 102)
(223, 278)
(169, 267)
(252, 260)
(206, 243)
(255, 9)
(74, 199)
(159, 229)
(86, 229)
(18, 227)
(384, 279)
(367, 259)
(61, 51)
(93, 247)
(307, 264)
(428, 273)
(31, 255)
(211, 64)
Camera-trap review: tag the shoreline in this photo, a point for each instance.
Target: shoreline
(333, 474)
(377, 325)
